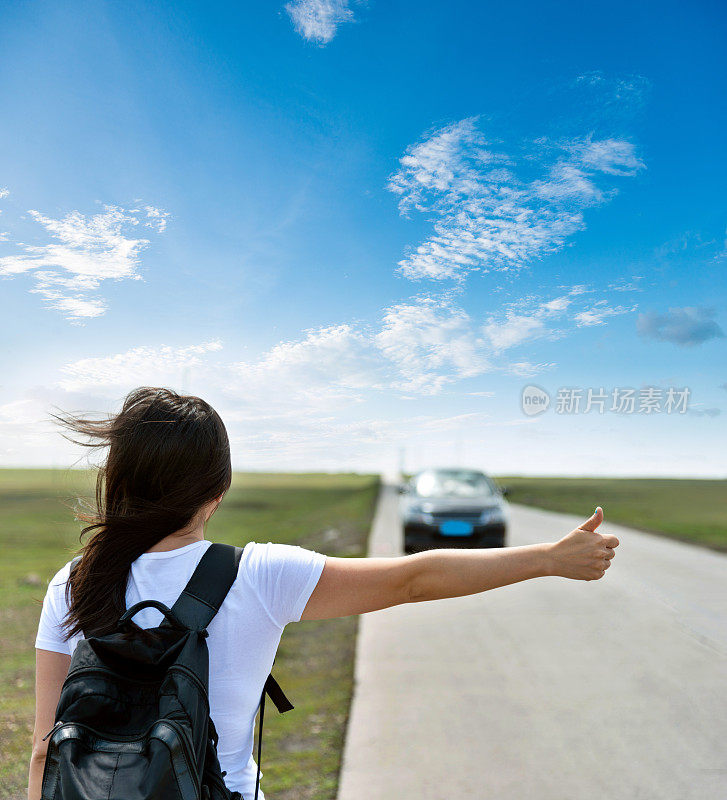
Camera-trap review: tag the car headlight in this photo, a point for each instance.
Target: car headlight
(418, 514)
(489, 515)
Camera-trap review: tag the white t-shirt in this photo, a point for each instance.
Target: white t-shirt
(272, 587)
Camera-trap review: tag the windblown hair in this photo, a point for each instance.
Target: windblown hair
(168, 456)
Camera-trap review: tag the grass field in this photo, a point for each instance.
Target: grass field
(692, 510)
(327, 513)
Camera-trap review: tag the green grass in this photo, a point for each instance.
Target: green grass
(691, 510)
(328, 513)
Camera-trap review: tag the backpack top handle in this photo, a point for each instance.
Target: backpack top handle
(169, 614)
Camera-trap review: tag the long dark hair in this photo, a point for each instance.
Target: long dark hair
(168, 456)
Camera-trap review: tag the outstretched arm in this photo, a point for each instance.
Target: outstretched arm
(358, 585)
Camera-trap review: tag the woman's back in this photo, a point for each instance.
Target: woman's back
(272, 587)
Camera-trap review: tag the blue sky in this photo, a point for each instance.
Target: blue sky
(363, 228)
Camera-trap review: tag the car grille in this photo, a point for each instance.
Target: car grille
(465, 516)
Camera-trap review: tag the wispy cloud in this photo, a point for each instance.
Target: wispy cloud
(327, 386)
(527, 369)
(318, 20)
(692, 244)
(620, 92)
(83, 252)
(598, 312)
(612, 156)
(156, 218)
(514, 329)
(485, 216)
(686, 327)
(632, 285)
(326, 367)
(154, 366)
(532, 318)
(431, 342)
(417, 347)
(68, 295)
(4, 192)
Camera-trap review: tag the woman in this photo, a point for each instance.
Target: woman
(167, 470)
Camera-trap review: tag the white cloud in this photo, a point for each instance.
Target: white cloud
(627, 286)
(4, 192)
(84, 251)
(299, 396)
(431, 342)
(156, 218)
(327, 366)
(153, 366)
(318, 20)
(448, 161)
(485, 216)
(567, 181)
(612, 156)
(559, 304)
(316, 400)
(73, 308)
(596, 314)
(527, 319)
(418, 346)
(513, 330)
(526, 369)
(532, 318)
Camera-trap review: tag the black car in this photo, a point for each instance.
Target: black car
(452, 508)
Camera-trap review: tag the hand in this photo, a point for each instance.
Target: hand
(584, 554)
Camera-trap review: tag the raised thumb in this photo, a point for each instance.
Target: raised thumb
(594, 521)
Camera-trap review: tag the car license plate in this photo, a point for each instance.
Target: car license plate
(455, 527)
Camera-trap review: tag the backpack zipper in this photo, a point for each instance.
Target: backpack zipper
(193, 675)
(105, 671)
(109, 737)
(60, 722)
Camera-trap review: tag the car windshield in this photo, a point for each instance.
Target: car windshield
(452, 483)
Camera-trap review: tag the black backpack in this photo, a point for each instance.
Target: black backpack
(132, 721)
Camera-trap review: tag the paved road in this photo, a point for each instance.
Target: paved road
(551, 689)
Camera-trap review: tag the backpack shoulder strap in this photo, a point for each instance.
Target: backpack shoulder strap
(202, 597)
